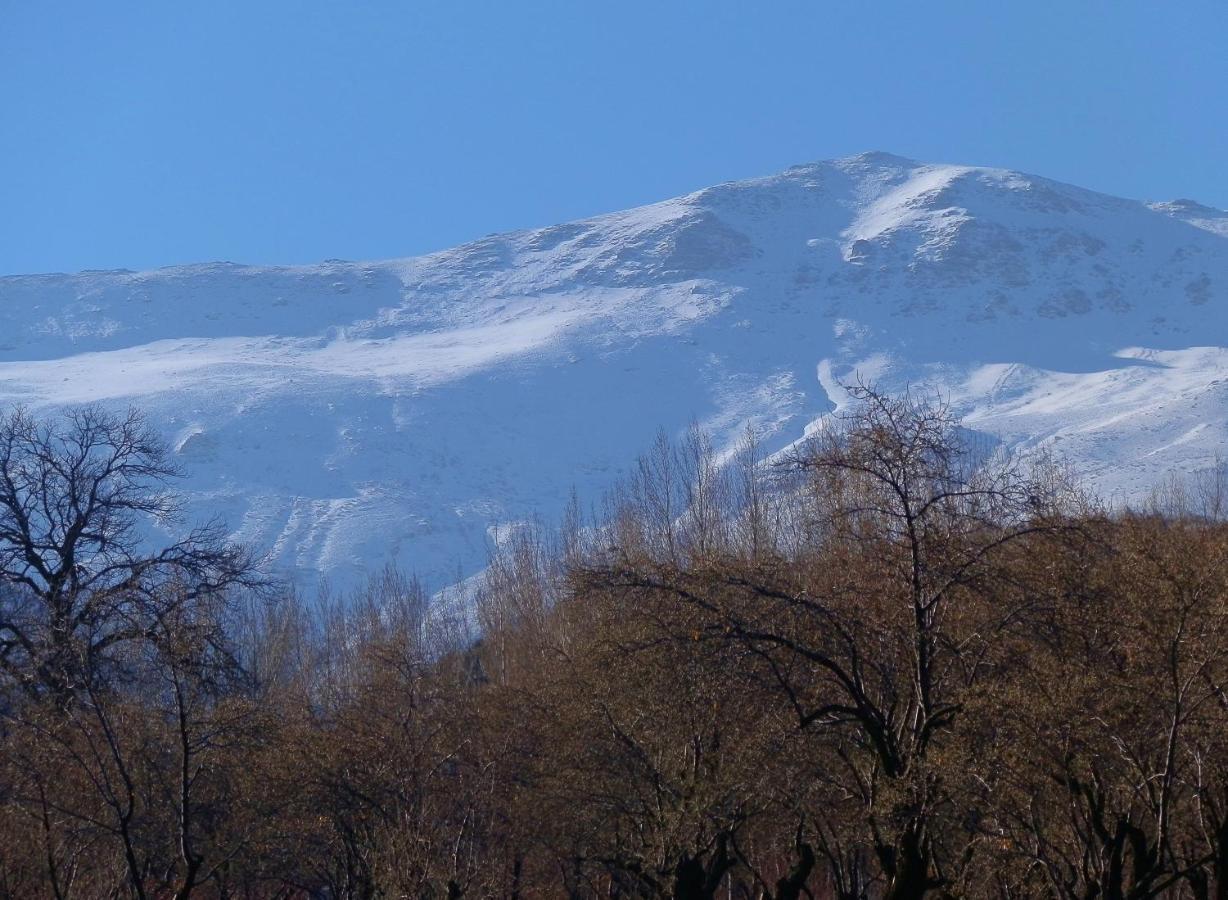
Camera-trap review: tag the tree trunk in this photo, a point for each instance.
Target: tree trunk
(910, 879)
(790, 887)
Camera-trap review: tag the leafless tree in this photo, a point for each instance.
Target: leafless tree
(78, 577)
(880, 627)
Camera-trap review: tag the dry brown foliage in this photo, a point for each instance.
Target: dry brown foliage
(889, 664)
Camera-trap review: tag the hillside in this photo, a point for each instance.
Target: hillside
(347, 414)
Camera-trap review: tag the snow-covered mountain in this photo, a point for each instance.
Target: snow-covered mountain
(347, 414)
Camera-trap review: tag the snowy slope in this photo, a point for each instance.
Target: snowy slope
(343, 415)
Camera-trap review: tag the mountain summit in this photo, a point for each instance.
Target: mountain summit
(344, 415)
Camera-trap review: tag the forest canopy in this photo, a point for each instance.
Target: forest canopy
(890, 663)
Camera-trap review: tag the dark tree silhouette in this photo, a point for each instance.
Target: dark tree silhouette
(77, 579)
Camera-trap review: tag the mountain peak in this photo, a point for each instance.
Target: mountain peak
(876, 158)
(343, 415)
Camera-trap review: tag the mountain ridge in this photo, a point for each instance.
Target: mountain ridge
(880, 157)
(341, 415)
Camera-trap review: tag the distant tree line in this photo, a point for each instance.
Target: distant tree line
(893, 664)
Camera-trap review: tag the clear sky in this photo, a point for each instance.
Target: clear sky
(142, 133)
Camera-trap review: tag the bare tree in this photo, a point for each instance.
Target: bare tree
(874, 634)
(115, 656)
(77, 577)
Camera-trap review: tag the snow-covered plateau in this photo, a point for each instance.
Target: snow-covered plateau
(345, 415)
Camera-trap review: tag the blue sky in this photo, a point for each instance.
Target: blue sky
(141, 133)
